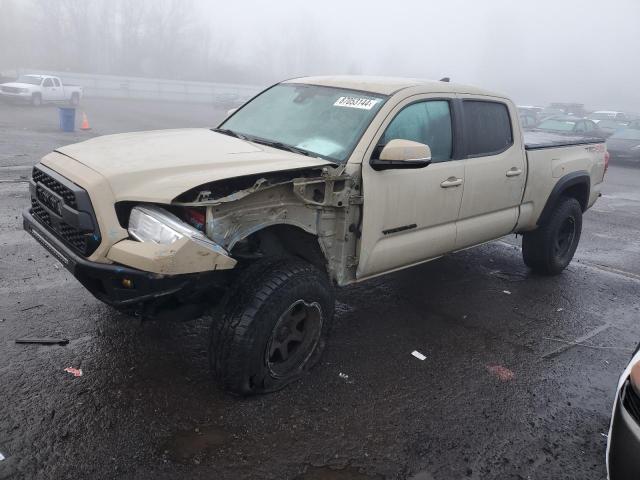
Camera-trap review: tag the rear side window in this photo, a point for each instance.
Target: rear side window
(427, 122)
(56, 82)
(487, 128)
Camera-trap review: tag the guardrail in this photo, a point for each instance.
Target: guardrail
(109, 86)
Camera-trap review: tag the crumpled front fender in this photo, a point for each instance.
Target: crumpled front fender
(182, 256)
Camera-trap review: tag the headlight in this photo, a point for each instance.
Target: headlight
(154, 224)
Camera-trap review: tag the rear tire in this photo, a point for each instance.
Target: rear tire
(273, 326)
(36, 100)
(75, 100)
(549, 249)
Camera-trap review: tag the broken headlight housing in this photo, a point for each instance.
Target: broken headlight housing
(149, 223)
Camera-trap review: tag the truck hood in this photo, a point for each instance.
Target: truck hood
(159, 165)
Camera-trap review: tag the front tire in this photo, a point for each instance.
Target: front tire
(36, 100)
(549, 249)
(273, 326)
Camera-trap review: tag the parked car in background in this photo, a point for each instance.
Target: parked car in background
(624, 146)
(528, 120)
(634, 124)
(549, 112)
(607, 115)
(623, 442)
(570, 125)
(570, 108)
(39, 89)
(530, 110)
(609, 127)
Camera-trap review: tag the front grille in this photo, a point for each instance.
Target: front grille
(65, 211)
(69, 197)
(71, 235)
(11, 89)
(631, 401)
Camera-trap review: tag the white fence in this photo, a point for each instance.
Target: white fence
(108, 86)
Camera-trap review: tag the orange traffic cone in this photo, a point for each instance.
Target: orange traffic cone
(85, 122)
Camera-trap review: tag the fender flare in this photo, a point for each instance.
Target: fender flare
(580, 178)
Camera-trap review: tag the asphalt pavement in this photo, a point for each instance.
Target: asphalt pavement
(517, 383)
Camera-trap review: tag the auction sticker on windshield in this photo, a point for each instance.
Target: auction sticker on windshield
(356, 102)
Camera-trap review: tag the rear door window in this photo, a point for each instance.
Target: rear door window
(56, 82)
(487, 128)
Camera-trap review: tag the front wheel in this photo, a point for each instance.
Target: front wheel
(273, 326)
(549, 249)
(36, 100)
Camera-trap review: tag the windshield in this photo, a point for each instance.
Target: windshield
(628, 134)
(558, 125)
(322, 121)
(30, 79)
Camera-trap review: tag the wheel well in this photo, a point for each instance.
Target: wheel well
(282, 240)
(574, 185)
(579, 191)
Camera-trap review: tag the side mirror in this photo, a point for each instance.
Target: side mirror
(399, 153)
(231, 112)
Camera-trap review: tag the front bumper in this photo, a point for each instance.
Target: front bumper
(148, 290)
(16, 97)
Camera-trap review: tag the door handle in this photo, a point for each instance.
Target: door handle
(451, 182)
(514, 172)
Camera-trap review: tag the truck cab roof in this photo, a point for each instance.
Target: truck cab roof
(389, 85)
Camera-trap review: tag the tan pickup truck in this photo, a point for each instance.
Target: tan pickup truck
(313, 183)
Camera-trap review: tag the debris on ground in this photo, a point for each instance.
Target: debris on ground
(76, 372)
(506, 291)
(2, 457)
(418, 355)
(501, 373)
(32, 307)
(559, 309)
(44, 340)
(343, 376)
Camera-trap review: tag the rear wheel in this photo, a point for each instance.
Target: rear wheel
(273, 326)
(75, 99)
(549, 249)
(36, 99)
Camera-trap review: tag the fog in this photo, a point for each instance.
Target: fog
(538, 52)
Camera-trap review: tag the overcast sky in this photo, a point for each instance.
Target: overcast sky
(537, 51)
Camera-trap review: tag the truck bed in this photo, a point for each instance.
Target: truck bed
(536, 140)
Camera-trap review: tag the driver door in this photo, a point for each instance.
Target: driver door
(48, 90)
(410, 214)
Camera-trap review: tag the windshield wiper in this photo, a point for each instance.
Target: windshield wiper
(231, 133)
(282, 146)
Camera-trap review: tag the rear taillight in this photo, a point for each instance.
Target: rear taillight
(196, 217)
(606, 161)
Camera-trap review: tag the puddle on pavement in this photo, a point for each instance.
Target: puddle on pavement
(327, 473)
(190, 446)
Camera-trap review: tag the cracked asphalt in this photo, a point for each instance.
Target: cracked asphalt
(518, 380)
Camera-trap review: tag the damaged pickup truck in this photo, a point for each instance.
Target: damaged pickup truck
(314, 183)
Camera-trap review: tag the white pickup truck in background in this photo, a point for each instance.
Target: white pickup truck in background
(39, 89)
